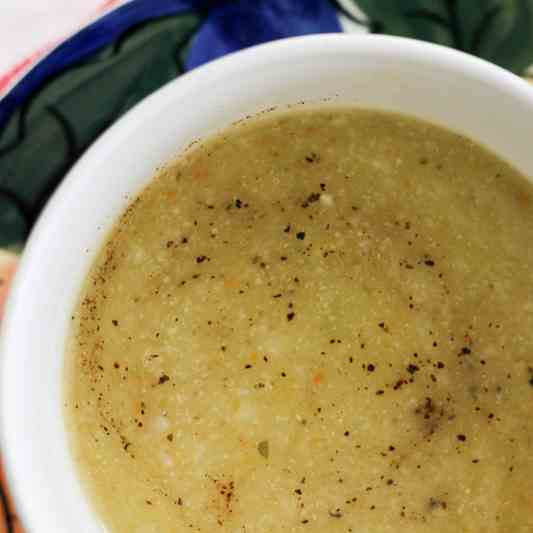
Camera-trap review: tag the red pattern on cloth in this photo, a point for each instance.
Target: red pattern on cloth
(22, 67)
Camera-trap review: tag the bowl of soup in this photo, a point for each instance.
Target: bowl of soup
(290, 291)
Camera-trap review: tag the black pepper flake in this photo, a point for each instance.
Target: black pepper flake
(114, 322)
(370, 367)
(201, 258)
(298, 491)
(290, 316)
(440, 364)
(435, 503)
(312, 158)
(412, 369)
(429, 262)
(531, 382)
(247, 366)
(263, 448)
(335, 514)
(461, 437)
(287, 228)
(170, 437)
(312, 198)
(380, 392)
(465, 350)
(300, 235)
(163, 378)
(398, 385)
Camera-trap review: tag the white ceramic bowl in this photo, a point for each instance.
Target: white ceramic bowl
(431, 82)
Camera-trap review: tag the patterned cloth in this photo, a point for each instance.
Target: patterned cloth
(54, 103)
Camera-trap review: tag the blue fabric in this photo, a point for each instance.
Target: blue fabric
(232, 26)
(229, 26)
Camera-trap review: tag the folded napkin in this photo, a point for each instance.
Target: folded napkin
(57, 100)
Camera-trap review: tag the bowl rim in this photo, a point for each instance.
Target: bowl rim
(14, 325)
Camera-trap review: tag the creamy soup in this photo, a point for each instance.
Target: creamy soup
(316, 321)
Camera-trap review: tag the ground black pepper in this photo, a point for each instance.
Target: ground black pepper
(412, 369)
(163, 378)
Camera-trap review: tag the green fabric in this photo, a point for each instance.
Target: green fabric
(44, 138)
(500, 31)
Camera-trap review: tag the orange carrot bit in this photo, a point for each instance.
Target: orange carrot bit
(200, 173)
(524, 199)
(318, 379)
(253, 356)
(8, 265)
(172, 195)
(230, 283)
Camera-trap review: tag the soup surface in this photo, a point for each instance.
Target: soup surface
(317, 321)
